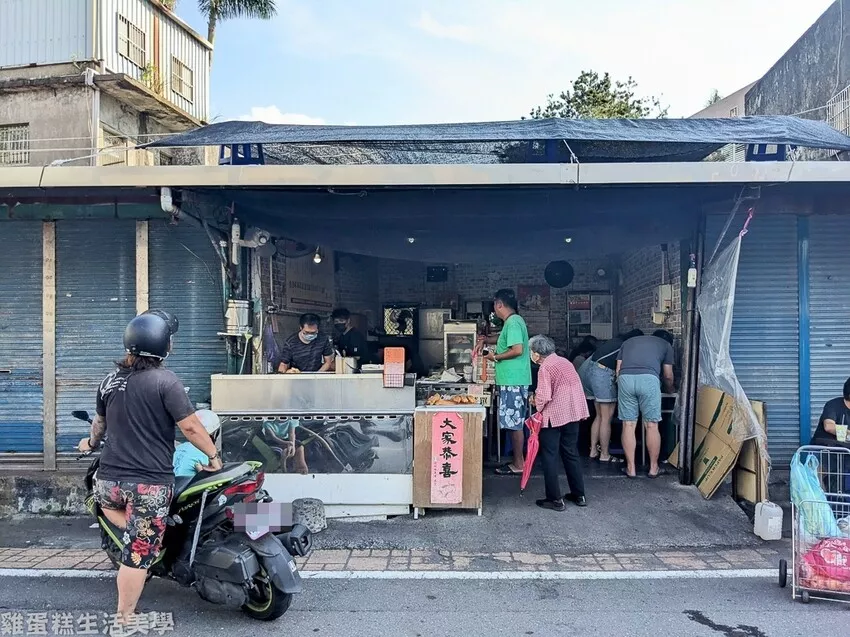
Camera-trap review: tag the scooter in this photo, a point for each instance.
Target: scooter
(248, 567)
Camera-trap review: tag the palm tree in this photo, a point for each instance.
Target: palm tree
(217, 10)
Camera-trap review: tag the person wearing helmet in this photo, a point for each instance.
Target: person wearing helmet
(188, 459)
(139, 404)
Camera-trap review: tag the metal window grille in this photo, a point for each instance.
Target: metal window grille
(131, 42)
(398, 321)
(15, 145)
(838, 111)
(733, 112)
(182, 79)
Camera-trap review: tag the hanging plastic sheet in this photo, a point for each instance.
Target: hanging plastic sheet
(715, 305)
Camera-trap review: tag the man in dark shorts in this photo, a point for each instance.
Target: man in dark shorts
(308, 350)
(139, 404)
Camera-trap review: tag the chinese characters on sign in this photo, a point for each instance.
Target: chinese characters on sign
(67, 623)
(446, 458)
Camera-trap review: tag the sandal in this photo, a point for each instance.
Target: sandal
(628, 475)
(611, 460)
(507, 470)
(661, 472)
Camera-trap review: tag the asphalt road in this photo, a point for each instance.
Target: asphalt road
(377, 608)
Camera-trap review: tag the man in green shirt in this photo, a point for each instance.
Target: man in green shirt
(513, 375)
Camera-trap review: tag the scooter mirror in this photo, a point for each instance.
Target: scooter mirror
(80, 415)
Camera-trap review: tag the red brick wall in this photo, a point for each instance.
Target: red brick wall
(640, 275)
(403, 281)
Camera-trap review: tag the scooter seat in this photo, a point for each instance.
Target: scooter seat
(209, 478)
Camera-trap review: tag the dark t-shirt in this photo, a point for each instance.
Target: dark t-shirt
(141, 410)
(835, 410)
(353, 343)
(306, 357)
(645, 355)
(606, 354)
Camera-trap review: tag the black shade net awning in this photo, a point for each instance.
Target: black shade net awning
(524, 141)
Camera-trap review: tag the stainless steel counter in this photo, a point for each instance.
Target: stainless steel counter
(309, 394)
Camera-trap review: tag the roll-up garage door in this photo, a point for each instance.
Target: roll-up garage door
(21, 391)
(829, 308)
(95, 299)
(765, 326)
(185, 279)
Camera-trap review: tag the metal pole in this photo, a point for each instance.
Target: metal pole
(691, 368)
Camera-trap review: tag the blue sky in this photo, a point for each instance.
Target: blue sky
(417, 61)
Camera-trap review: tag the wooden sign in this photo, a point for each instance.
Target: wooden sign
(446, 458)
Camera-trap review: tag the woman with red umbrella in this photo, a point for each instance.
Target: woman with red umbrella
(560, 401)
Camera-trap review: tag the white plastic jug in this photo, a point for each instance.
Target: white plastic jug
(768, 521)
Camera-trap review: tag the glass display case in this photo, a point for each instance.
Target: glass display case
(458, 345)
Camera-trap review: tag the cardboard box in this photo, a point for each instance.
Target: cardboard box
(749, 479)
(716, 450)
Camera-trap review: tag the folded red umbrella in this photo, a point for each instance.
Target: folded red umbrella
(534, 423)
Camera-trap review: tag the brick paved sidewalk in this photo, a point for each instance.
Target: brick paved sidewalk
(404, 560)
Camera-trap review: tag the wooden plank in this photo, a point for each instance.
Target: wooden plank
(142, 273)
(48, 322)
(473, 457)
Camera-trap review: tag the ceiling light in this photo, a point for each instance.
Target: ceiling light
(411, 239)
(317, 258)
(568, 240)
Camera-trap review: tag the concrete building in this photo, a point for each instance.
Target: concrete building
(81, 76)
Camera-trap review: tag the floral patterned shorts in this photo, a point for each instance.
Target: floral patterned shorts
(513, 407)
(145, 508)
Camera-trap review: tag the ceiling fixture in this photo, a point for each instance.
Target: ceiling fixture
(317, 258)
(568, 240)
(411, 240)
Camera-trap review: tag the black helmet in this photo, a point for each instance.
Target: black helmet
(173, 323)
(148, 335)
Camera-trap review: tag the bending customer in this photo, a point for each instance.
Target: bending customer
(599, 377)
(560, 400)
(642, 362)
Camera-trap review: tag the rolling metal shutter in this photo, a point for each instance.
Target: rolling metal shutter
(829, 308)
(765, 343)
(185, 279)
(95, 299)
(21, 392)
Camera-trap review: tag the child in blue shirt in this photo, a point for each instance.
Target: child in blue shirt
(187, 457)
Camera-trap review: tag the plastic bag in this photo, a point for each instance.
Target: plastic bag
(826, 566)
(815, 514)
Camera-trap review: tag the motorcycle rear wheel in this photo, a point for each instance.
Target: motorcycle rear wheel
(271, 604)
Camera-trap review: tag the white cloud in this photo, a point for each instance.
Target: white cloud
(273, 115)
(431, 26)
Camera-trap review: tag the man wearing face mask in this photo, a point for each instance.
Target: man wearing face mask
(349, 341)
(308, 350)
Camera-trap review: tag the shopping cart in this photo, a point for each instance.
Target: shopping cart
(820, 527)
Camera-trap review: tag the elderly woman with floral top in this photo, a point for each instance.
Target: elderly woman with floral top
(560, 400)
